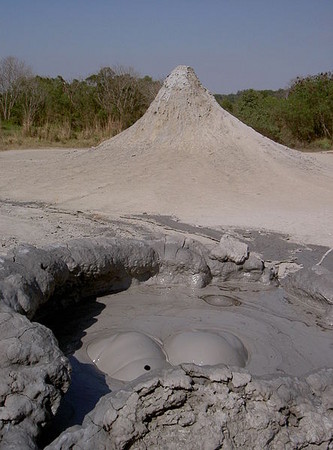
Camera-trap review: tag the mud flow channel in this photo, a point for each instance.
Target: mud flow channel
(115, 339)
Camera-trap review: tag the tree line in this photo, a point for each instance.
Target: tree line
(54, 109)
(299, 116)
(85, 111)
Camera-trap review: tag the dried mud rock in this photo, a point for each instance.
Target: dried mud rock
(196, 407)
(231, 249)
(33, 376)
(182, 261)
(28, 277)
(314, 286)
(231, 259)
(32, 278)
(185, 261)
(97, 266)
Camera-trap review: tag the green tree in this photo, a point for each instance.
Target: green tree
(308, 112)
(260, 110)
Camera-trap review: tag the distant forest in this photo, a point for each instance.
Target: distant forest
(44, 111)
(300, 116)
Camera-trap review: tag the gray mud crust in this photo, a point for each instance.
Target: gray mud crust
(183, 407)
(34, 375)
(209, 408)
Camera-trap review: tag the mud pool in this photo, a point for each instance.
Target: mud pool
(116, 338)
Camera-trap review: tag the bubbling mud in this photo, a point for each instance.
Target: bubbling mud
(221, 300)
(126, 356)
(204, 348)
(126, 335)
(149, 327)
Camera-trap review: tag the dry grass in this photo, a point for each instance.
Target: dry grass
(51, 135)
(319, 145)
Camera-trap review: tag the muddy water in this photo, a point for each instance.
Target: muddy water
(254, 326)
(149, 327)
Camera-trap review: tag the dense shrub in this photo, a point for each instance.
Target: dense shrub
(300, 115)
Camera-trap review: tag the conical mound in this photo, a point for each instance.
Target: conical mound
(177, 116)
(186, 117)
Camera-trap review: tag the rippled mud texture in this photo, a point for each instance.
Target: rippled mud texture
(178, 405)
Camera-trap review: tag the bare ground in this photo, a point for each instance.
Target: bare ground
(187, 158)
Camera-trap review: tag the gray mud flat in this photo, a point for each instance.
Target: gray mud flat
(279, 338)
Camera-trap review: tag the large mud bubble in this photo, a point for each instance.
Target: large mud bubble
(167, 406)
(127, 355)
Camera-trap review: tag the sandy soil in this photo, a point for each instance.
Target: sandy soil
(185, 157)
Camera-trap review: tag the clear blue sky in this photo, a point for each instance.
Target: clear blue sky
(231, 44)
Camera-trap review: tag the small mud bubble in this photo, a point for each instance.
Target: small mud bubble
(221, 300)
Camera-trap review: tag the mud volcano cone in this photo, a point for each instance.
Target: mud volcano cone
(185, 124)
(183, 114)
(186, 116)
